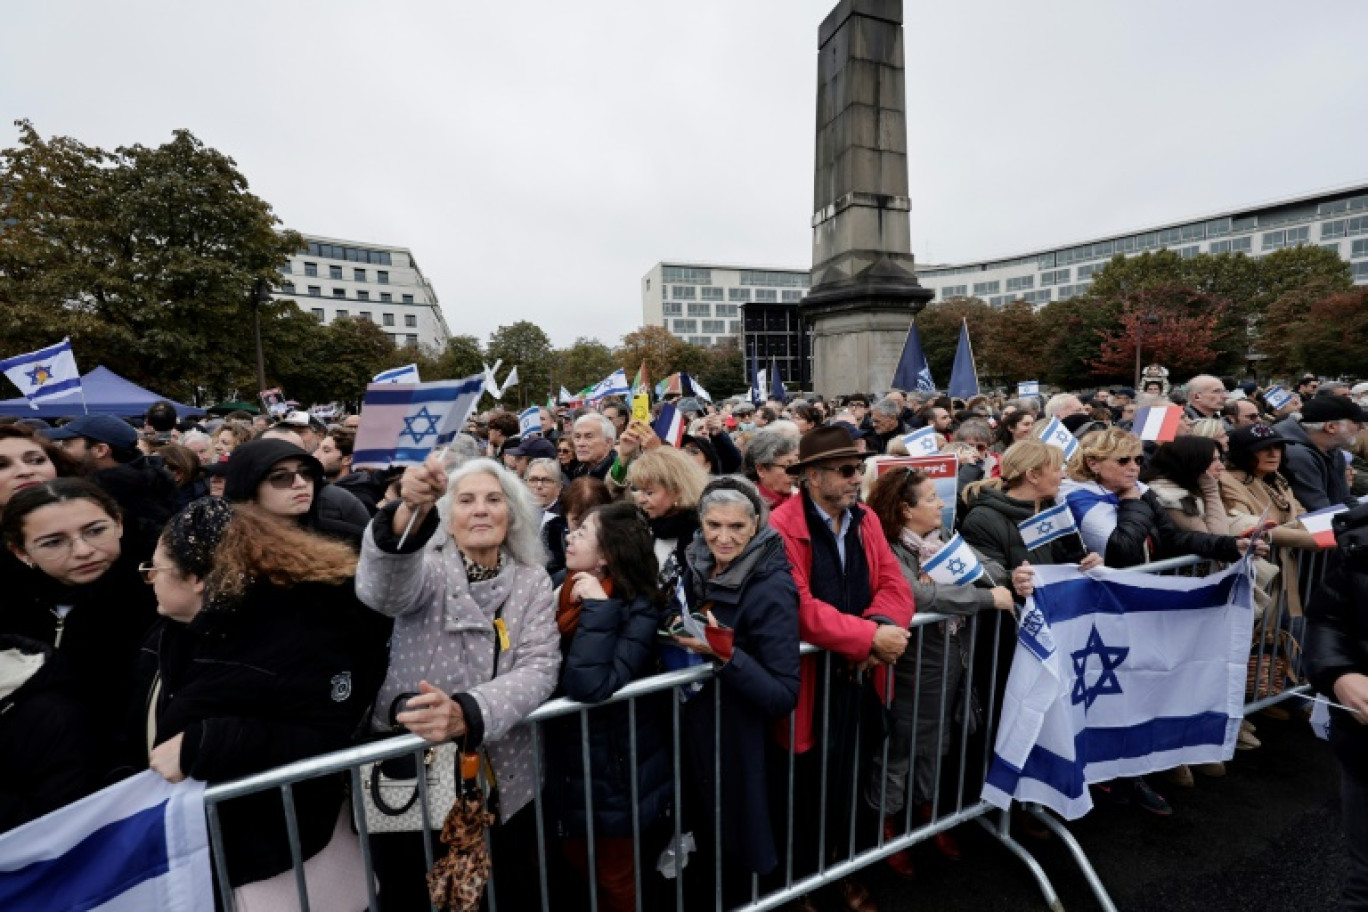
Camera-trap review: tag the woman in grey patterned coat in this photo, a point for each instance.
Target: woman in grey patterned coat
(475, 648)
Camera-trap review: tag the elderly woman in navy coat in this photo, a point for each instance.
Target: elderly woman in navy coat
(739, 581)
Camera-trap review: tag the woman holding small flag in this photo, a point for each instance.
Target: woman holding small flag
(909, 510)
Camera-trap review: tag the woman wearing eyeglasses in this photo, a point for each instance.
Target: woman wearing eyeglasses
(265, 657)
(1123, 519)
(284, 481)
(80, 595)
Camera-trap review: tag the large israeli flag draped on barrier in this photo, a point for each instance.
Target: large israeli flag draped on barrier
(402, 422)
(1120, 673)
(138, 845)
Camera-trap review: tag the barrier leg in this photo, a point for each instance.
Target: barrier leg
(1001, 833)
(1080, 857)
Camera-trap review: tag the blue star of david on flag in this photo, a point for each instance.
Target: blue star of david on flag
(39, 375)
(418, 435)
(1107, 682)
(955, 566)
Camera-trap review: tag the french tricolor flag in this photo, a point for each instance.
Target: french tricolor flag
(1319, 524)
(1157, 422)
(669, 425)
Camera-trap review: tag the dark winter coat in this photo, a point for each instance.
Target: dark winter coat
(1145, 532)
(98, 639)
(282, 675)
(333, 511)
(44, 739)
(613, 645)
(1318, 478)
(990, 526)
(757, 598)
(147, 496)
(365, 487)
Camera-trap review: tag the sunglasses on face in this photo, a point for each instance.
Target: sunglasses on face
(845, 471)
(1127, 460)
(284, 479)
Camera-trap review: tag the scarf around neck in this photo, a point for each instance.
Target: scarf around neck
(568, 610)
(926, 546)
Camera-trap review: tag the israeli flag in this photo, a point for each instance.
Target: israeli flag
(406, 374)
(1120, 674)
(141, 844)
(1046, 526)
(403, 422)
(1276, 397)
(956, 564)
(529, 421)
(615, 384)
(1028, 388)
(45, 373)
(921, 442)
(1057, 435)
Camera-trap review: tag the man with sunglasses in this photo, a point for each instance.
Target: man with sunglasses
(287, 482)
(852, 601)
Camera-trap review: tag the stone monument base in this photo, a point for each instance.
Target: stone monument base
(857, 345)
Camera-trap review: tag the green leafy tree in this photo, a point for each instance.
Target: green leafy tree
(461, 358)
(939, 327)
(586, 362)
(723, 371)
(1310, 329)
(523, 345)
(147, 257)
(656, 346)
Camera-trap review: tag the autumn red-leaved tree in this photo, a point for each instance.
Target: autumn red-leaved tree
(1310, 329)
(1175, 327)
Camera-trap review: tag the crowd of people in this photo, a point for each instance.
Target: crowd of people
(210, 599)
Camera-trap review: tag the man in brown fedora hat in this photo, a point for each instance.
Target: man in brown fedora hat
(853, 602)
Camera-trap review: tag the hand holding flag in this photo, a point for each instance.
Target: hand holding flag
(955, 564)
(921, 442)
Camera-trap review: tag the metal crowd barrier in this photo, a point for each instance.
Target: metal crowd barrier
(861, 841)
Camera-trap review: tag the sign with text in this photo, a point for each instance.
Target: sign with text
(943, 470)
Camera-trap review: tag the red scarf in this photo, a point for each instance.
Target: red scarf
(568, 610)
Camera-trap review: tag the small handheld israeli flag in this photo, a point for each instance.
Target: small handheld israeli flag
(406, 421)
(1276, 397)
(1057, 435)
(406, 374)
(1028, 388)
(615, 384)
(921, 442)
(45, 373)
(529, 421)
(1046, 526)
(954, 565)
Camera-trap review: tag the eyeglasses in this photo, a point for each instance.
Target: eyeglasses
(57, 546)
(845, 471)
(541, 481)
(150, 570)
(1127, 460)
(284, 479)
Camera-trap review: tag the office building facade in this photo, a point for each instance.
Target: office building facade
(381, 284)
(706, 304)
(1336, 220)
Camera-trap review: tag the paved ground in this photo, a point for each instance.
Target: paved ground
(1265, 838)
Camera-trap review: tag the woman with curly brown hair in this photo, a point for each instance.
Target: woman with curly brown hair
(264, 657)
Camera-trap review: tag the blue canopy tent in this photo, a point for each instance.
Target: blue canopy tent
(106, 393)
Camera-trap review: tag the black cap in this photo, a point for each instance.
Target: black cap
(1331, 408)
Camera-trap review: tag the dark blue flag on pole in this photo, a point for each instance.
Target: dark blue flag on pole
(777, 390)
(963, 377)
(913, 373)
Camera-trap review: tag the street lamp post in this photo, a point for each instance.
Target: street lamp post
(1150, 319)
(261, 293)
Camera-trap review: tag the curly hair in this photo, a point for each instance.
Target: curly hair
(258, 547)
(1098, 445)
(241, 431)
(672, 470)
(894, 490)
(1008, 425)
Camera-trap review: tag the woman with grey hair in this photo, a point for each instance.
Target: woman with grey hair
(545, 481)
(768, 458)
(475, 649)
(738, 579)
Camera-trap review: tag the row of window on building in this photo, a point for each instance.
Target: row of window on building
(316, 291)
(336, 274)
(351, 254)
(739, 295)
(692, 275)
(386, 319)
(675, 309)
(682, 327)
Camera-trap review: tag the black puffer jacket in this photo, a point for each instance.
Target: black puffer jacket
(333, 511)
(990, 526)
(1145, 532)
(146, 494)
(1337, 634)
(283, 675)
(97, 640)
(44, 739)
(613, 646)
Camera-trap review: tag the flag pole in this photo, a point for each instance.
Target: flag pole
(413, 517)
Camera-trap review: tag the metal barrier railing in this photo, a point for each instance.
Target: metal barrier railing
(843, 846)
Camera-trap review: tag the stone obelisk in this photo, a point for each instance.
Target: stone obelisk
(863, 291)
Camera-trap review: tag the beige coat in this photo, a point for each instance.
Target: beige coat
(1246, 498)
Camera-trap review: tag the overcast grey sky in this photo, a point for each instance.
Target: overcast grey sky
(539, 157)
